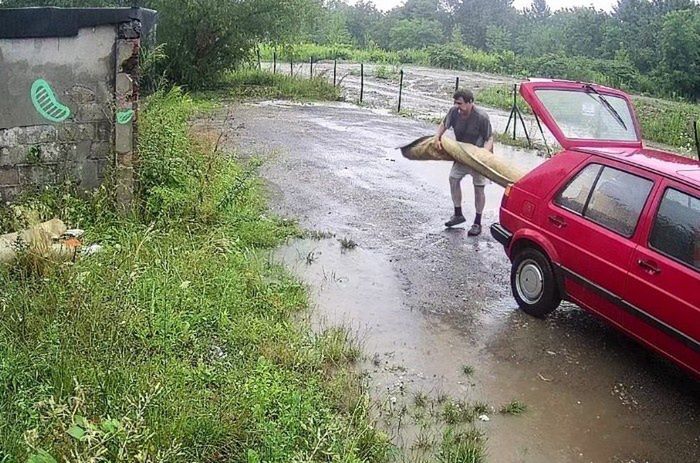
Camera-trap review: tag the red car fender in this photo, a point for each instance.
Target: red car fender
(535, 237)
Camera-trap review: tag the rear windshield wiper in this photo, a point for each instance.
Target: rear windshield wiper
(606, 104)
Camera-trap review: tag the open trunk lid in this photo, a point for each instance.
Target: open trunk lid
(583, 115)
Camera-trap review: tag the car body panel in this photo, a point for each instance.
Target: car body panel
(599, 269)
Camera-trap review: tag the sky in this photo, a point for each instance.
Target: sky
(606, 5)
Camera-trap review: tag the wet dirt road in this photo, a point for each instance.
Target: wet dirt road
(427, 301)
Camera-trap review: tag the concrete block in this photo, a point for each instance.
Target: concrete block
(8, 137)
(103, 167)
(76, 132)
(81, 94)
(8, 193)
(124, 138)
(90, 175)
(124, 86)
(13, 156)
(125, 159)
(92, 112)
(36, 134)
(44, 174)
(53, 152)
(127, 54)
(103, 131)
(124, 178)
(9, 176)
(101, 150)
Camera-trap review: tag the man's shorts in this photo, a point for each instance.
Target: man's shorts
(459, 170)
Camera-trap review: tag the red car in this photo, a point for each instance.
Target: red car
(606, 223)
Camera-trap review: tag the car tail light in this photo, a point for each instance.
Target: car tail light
(506, 193)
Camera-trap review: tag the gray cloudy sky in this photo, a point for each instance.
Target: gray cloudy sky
(553, 4)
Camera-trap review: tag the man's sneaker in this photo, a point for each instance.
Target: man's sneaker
(455, 220)
(475, 230)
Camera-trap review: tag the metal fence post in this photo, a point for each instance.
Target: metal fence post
(362, 80)
(291, 66)
(400, 89)
(697, 138)
(274, 62)
(457, 83)
(515, 106)
(311, 67)
(257, 50)
(335, 65)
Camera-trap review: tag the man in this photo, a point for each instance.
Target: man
(470, 125)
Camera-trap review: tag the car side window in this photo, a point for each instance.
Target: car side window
(676, 230)
(617, 200)
(575, 195)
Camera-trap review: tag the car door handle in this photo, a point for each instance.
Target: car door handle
(649, 266)
(558, 222)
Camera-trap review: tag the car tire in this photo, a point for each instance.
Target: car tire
(533, 283)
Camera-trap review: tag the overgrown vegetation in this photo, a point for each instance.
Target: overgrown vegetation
(175, 343)
(253, 83)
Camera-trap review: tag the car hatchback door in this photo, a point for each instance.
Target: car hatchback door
(662, 297)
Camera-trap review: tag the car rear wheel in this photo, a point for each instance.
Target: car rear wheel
(533, 283)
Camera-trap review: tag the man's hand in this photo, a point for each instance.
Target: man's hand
(438, 143)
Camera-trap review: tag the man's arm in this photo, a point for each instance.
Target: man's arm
(488, 135)
(489, 144)
(438, 135)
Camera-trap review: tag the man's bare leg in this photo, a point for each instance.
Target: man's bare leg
(479, 203)
(456, 192)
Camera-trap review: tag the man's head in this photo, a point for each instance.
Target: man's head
(464, 100)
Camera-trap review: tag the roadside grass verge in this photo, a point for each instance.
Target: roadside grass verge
(176, 342)
(259, 84)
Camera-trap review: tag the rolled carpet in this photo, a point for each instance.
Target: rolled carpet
(491, 165)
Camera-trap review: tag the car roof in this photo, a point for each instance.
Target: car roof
(665, 163)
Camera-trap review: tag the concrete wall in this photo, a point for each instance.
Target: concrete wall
(44, 140)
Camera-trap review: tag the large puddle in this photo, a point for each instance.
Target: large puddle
(409, 353)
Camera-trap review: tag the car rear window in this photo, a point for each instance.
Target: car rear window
(607, 196)
(676, 231)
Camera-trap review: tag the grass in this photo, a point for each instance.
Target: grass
(468, 370)
(176, 342)
(347, 243)
(264, 84)
(513, 408)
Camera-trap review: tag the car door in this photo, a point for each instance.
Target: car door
(662, 296)
(592, 221)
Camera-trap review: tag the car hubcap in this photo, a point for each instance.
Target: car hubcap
(529, 281)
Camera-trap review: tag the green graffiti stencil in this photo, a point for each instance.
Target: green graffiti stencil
(124, 117)
(45, 102)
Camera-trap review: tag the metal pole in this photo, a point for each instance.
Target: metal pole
(311, 68)
(335, 65)
(697, 138)
(291, 66)
(258, 52)
(362, 80)
(274, 62)
(400, 89)
(457, 83)
(515, 121)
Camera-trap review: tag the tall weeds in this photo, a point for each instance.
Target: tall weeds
(175, 343)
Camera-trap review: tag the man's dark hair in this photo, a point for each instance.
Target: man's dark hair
(466, 95)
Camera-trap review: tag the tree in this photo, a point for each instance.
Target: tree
(415, 33)
(680, 52)
(538, 10)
